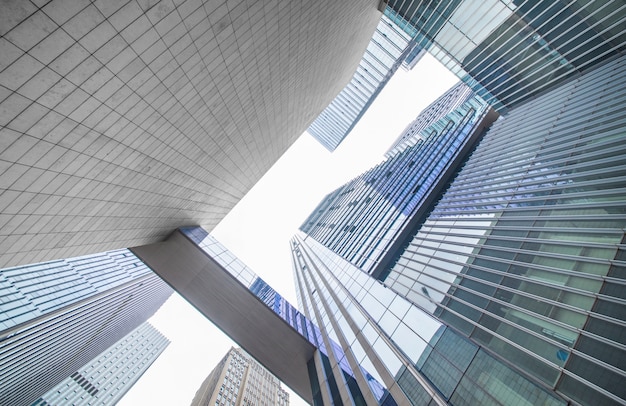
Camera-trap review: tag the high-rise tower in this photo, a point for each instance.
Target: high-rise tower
(515, 277)
(386, 52)
(239, 380)
(107, 378)
(510, 51)
(59, 315)
(364, 218)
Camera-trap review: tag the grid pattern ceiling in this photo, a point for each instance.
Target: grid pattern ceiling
(121, 120)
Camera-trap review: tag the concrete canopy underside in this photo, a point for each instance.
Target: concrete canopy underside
(123, 120)
(233, 308)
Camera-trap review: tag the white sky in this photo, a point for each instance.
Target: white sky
(258, 229)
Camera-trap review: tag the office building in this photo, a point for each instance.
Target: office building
(123, 120)
(239, 380)
(389, 48)
(510, 51)
(444, 105)
(269, 328)
(107, 378)
(516, 271)
(509, 290)
(524, 254)
(57, 316)
(364, 218)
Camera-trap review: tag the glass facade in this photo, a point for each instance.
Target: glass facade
(524, 252)
(511, 50)
(108, 377)
(510, 289)
(34, 290)
(402, 344)
(341, 378)
(385, 53)
(56, 316)
(363, 218)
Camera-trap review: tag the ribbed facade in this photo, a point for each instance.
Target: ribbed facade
(446, 103)
(333, 378)
(59, 315)
(509, 51)
(385, 53)
(511, 289)
(416, 356)
(108, 377)
(238, 380)
(525, 252)
(363, 218)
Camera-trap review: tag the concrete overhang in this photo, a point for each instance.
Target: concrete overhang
(225, 301)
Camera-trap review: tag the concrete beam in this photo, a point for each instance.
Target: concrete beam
(225, 301)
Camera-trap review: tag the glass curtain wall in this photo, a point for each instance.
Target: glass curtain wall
(511, 50)
(524, 253)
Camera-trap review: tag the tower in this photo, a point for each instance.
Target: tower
(508, 289)
(106, 378)
(511, 51)
(386, 52)
(59, 315)
(364, 218)
(239, 380)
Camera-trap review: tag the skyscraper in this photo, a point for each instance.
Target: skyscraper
(509, 290)
(524, 253)
(362, 219)
(121, 121)
(510, 51)
(239, 380)
(386, 52)
(516, 273)
(59, 315)
(105, 379)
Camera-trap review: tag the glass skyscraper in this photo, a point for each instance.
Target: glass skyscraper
(362, 219)
(388, 49)
(524, 254)
(59, 315)
(515, 277)
(417, 357)
(511, 50)
(107, 378)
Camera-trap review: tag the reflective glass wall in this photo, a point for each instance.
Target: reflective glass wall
(524, 254)
(511, 50)
(362, 219)
(387, 50)
(56, 316)
(405, 346)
